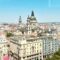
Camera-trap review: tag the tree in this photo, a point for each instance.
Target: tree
(48, 58)
(55, 56)
(9, 34)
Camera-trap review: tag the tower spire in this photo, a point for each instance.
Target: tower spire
(20, 19)
(32, 14)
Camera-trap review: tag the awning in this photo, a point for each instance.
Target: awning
(5, 57)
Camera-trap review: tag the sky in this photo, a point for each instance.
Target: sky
(45, 10)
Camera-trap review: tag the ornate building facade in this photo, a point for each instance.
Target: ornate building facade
(31, 23)
(33, 41)
(28, 48)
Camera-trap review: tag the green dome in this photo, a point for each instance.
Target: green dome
(32, 18)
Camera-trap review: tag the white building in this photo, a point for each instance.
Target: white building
(28, 48)
(3, 45)
(50, 46)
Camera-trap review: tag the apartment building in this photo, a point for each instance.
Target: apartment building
(28, 48)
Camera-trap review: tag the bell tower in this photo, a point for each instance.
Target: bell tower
(32, 14)
(20, 20)
(31, 22)
(19, 23)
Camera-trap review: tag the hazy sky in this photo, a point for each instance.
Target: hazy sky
(45, 10)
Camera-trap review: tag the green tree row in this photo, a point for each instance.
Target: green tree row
(9, 34)
(55, 56)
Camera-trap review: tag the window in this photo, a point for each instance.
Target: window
(32, 48)
(24, 52)
(37, 51)
(23, 57)
(40, 53)
(23, 38)
(40, 44)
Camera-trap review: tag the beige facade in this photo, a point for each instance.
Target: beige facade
(29, 49)
(58, 32)
(3, 46)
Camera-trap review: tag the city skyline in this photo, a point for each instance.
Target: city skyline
(45, 10)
